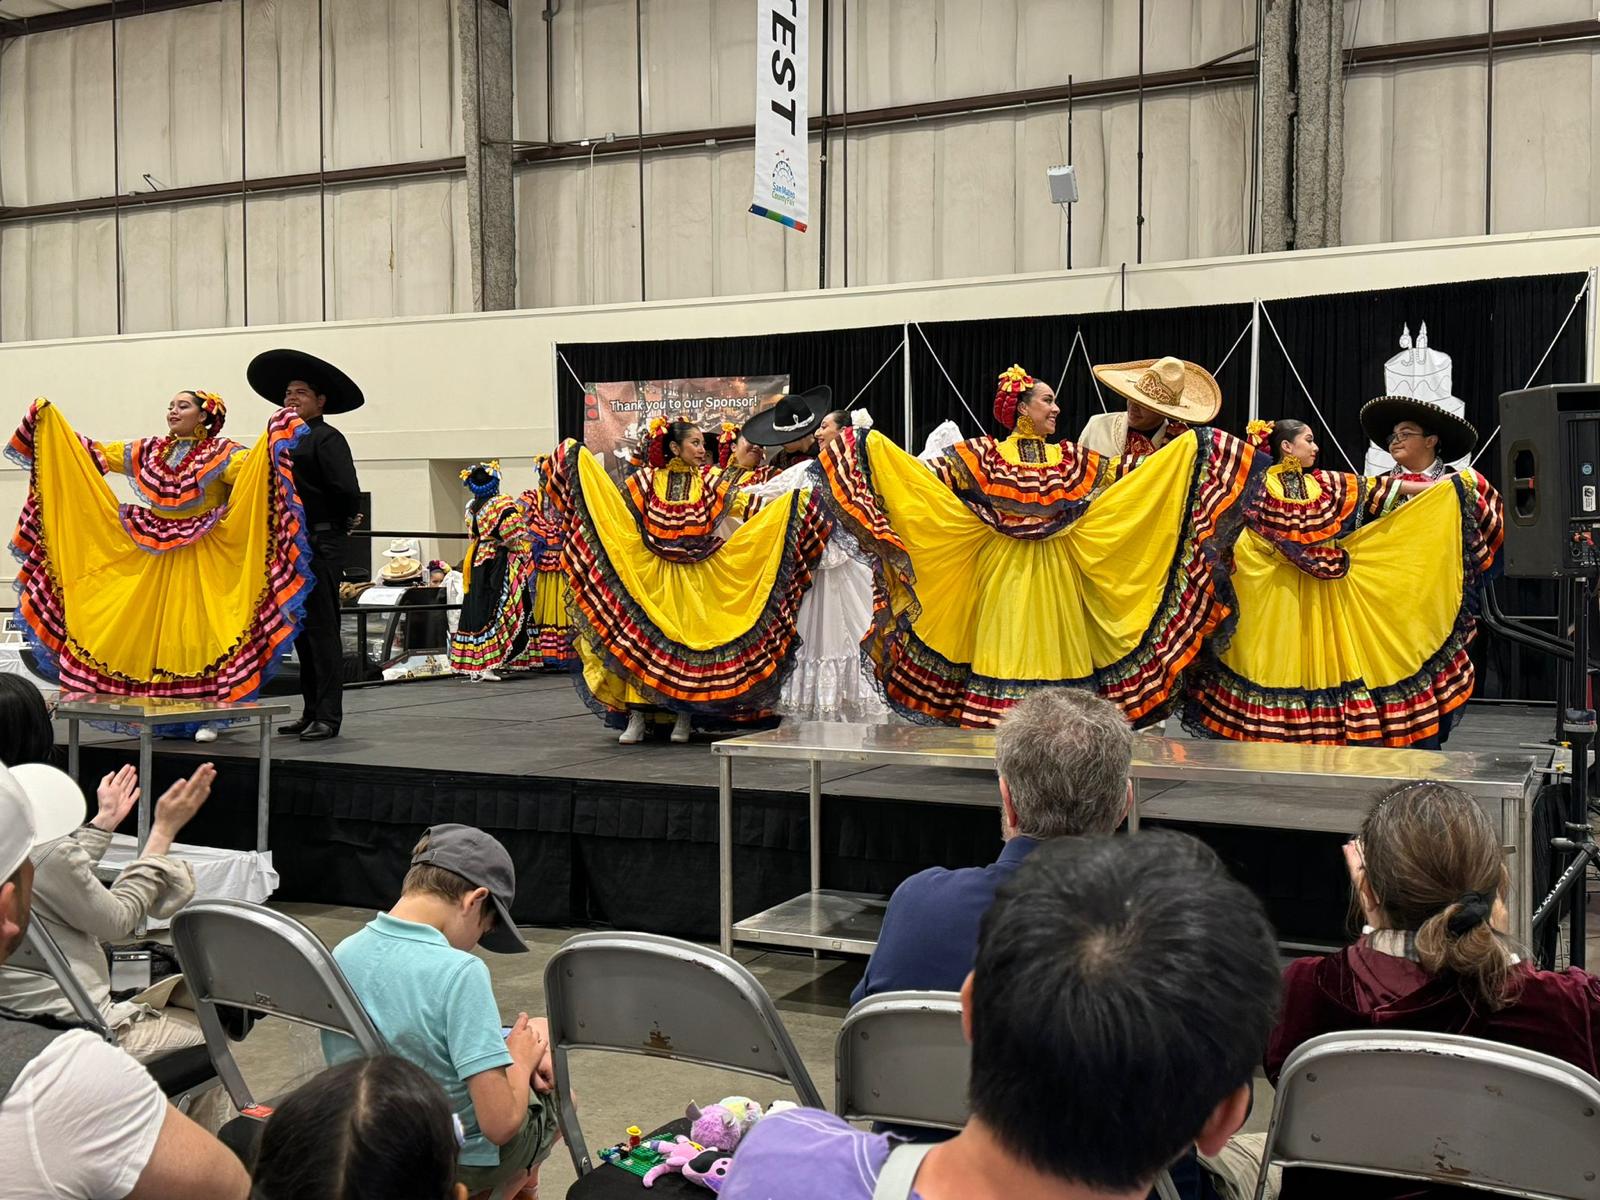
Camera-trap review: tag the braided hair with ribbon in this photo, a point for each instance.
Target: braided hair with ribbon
(1014, 384)
(213, 412)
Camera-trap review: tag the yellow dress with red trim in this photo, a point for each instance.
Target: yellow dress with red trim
(1016, 564)
(1355, 611)
(666, 613)
(549, 644)
(194, 594)
(492, 631)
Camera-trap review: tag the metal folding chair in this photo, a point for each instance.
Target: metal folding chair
(903, 1059)
(183, 1075)
(638, 993)
(1439, 1108)
(249, 957)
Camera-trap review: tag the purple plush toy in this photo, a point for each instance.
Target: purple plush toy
(721, 1126)
(708, 1168)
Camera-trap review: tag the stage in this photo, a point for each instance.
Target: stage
(627, 835)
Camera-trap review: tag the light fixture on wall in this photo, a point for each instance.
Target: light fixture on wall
(1064, 194)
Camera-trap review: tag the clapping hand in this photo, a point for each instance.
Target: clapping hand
(183, 799)
(118, 793)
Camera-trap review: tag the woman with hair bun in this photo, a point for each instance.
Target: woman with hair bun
(670, 617)
(1428, 875)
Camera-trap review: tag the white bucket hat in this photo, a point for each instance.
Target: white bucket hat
(38, 804)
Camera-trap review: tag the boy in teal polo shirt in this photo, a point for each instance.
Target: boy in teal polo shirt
(431, 999)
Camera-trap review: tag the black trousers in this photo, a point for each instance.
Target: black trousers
(319, 648)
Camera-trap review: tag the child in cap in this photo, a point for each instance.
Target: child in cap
(431, 999)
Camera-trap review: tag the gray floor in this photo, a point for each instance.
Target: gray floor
(615, 1091)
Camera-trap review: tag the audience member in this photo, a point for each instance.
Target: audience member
(1062, 756)
(78, 1117)
(81, 913)
(25, 732)
(1428, 874)
(431, 998)
(1123, 991)
(368, 1127)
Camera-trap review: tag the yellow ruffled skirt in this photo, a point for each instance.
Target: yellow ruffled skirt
(1118, 601)
(713, 636)
(205, 619)
(1378, 655)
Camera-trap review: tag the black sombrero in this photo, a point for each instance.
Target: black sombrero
(271, 372)
(790, 419)
(1457, 437)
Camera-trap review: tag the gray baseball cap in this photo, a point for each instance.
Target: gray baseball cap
(483, 862)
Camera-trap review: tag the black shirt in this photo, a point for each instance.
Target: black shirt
(325, 476)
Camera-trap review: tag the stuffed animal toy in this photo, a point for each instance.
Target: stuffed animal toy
(778, 1106)
(723, 1125)
(709, 1170)
(676, 1155)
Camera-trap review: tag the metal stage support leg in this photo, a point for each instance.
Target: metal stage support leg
(147, 782)
(72, 746)
(815, 814)
(1582, 742)
(264, 783)
(725, 849)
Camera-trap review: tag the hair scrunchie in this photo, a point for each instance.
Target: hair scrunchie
(1014, 384)
(214, 413)
(1474, 908)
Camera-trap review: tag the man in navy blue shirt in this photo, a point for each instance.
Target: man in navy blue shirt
(1062, 756)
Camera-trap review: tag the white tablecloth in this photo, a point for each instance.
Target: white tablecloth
(218, 874)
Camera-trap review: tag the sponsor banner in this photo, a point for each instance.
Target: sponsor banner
(615, 415)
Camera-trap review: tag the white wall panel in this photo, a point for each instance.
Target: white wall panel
(55, 116)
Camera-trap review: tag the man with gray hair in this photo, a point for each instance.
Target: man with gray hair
(1063, 757)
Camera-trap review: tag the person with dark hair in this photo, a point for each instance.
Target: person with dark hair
(79, 1117)
(549, 642)
(790, 426)
(1020, 562)
(1088, 1076)
(1428, 875)
(1327, 553)
(324, 475)
(430, 997)
(368, 1127)
(671, 617)
(492, 632)
(25, 731)
(109, 591)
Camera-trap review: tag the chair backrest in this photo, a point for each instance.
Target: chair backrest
(251, 957)
(1438, 1107)
(39, 954)
(902, 1057)
(639, 993)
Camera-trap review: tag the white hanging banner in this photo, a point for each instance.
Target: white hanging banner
(781, 122)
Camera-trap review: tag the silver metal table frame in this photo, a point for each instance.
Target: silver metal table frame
(1317, 788)
(146, 716)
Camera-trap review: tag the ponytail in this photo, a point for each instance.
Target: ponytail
(1459, 941)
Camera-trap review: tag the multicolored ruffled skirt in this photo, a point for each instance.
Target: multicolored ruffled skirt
(121, 601)
(492, 631)
(714, 637)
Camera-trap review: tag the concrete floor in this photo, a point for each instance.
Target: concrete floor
(615, 1090)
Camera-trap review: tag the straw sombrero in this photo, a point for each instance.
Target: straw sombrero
(1457, 436)
(1170, 386)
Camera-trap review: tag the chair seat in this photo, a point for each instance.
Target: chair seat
(181, 1070)
(242, 1135)
(606, 1182)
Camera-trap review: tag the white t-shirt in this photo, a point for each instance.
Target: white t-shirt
(81, 1121)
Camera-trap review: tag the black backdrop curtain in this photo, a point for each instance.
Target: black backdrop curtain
(975, 352)
(844, 359)
(1495, 332)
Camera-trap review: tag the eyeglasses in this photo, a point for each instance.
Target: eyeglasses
(1403, 437)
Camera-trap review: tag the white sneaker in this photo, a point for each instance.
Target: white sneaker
(488, 677)
(680, 728)
(205, 734)
(634, 733)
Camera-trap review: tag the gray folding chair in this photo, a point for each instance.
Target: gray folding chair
(902, 1058)
(638, 993)
(184, 1075)
(1440, 1108)
(249, 957)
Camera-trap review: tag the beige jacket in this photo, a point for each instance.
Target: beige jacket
(1107, 433)
(81, 912)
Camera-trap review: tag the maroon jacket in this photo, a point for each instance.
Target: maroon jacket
(1555, 1012)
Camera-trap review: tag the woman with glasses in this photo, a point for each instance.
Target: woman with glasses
(1354, 594)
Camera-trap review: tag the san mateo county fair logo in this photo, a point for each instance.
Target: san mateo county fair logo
(783, 187)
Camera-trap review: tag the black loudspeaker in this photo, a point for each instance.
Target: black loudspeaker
(1550, 470)
(358, 549)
